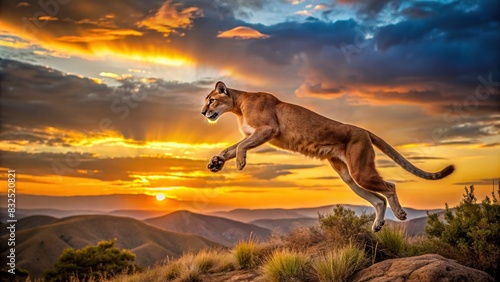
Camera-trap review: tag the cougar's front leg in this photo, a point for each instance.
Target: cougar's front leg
(217, 162)
(260, 136)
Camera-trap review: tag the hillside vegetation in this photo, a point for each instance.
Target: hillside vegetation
(37, 248)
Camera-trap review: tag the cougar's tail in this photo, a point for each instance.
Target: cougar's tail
(404, 163)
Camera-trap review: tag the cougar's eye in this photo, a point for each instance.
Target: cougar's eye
(211, 100)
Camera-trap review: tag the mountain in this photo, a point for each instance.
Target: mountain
(282, 226)
(249, 215)
(221, 230)
(38, 248)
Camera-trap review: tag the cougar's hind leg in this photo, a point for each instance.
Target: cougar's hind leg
(377, 201)
(360, 158)
(392, 197)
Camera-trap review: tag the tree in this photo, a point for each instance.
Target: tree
(473, 229)
(93, 262)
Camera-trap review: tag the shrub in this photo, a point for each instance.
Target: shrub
(103, 260)
(473, 230)
(339, 265)
(286, 265)
(344, 225)
(304, 238)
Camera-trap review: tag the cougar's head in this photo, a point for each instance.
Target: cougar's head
(217, 102)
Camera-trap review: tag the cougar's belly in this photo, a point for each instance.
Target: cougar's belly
(306, 146)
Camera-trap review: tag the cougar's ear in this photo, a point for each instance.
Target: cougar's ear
(221, 88)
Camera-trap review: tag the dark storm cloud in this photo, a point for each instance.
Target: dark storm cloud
(371, 8)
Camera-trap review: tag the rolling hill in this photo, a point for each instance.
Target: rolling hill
(38, 248)
(221, 230)
(285, 225)
(248, 215)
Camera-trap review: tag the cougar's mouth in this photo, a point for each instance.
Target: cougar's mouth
(213, 116)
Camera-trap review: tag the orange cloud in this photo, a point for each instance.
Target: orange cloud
(47, 18)
(303, 13)
(242, 32)
(319, 90)
(99, 34)
(168, 18)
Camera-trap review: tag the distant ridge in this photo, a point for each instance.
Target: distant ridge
(249, 215)
(37, 248)
(221, 230)
(285, 225)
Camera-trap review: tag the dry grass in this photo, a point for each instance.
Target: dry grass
(339, 265)
(287, 265)
(247, 254)
(188, 268)
(393, 239)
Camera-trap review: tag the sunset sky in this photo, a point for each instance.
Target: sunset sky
(104, 97)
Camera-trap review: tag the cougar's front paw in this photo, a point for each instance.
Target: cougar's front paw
(241, 162)
(216, 163)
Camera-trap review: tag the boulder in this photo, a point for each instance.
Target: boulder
(424, 268)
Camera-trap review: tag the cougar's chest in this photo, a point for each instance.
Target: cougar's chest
(245, 128)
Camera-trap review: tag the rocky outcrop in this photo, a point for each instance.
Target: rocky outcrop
(425, 268)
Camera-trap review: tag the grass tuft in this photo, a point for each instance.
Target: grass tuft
(286, 265)
(339, 265)
(393, 239)
(246, 254)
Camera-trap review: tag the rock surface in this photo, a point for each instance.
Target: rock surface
(425, 268)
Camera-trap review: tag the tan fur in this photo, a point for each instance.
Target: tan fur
(264, 118)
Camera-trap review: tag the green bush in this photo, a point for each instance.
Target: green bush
(344, 223)
(473, 230)
(286, 265)
(102, 261)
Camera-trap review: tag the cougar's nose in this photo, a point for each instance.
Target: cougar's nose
(203, 112)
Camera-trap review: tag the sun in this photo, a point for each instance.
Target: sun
(160, 197)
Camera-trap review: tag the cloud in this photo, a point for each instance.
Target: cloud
(484, 181)
(170, 17)
(420, 158)
(272, 171)
(319, 91)
(242, 32)
(42, 97)
(323, 178)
